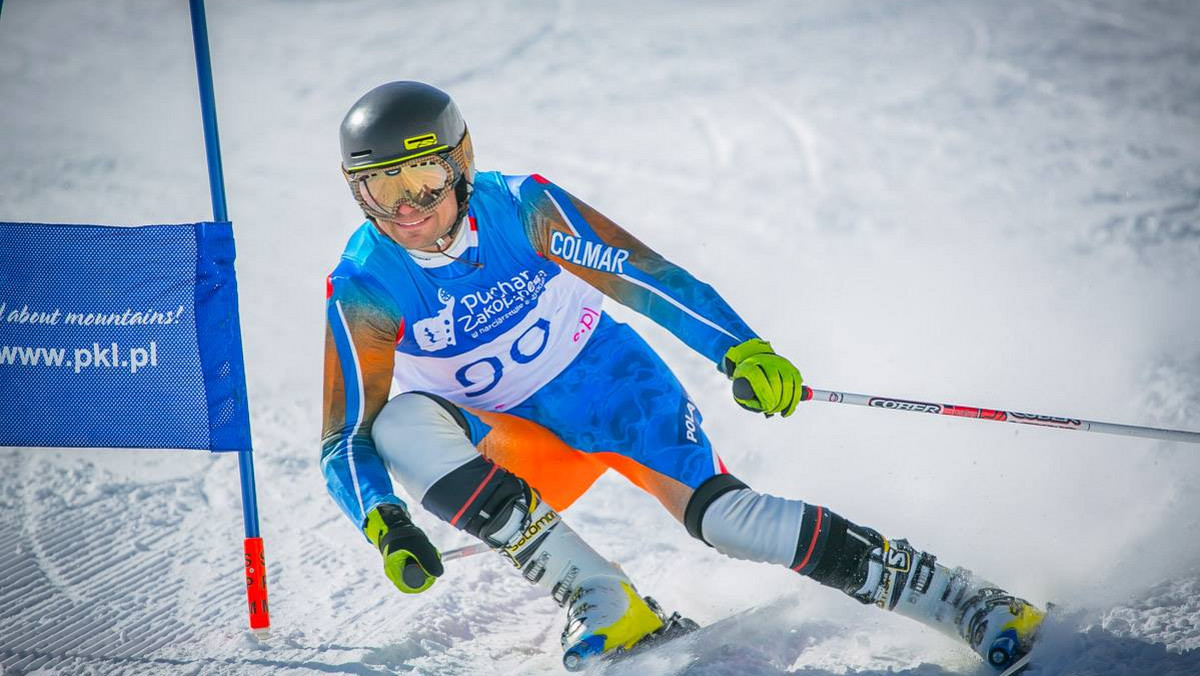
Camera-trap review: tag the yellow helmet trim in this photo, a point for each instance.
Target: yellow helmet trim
(388, 163)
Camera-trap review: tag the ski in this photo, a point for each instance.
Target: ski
(674, 627)
(1017, 667)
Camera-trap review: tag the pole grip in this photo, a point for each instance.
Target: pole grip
(256, 584)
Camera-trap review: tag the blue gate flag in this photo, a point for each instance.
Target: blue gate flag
(121, 337)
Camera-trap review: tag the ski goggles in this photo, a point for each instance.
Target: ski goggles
(421, 183)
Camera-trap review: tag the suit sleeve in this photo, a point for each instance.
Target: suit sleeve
(360, 339)
(592, 247)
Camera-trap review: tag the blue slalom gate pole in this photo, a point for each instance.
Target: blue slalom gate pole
(208, 107)
(256, 573)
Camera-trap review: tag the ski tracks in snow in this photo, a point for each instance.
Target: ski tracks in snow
(79, 586)
(553, 26)
(1154, 636)
(802, 133)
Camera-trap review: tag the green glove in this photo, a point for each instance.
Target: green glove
(762, 380)
(410, 560)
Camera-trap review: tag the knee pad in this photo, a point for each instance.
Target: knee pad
(421, 438)
(411, 407)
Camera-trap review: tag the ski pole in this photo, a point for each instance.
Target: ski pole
(998, 415)
(956, 410)
(463, 552)
(414, 576)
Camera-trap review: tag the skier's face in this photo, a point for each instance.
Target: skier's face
(412, 229)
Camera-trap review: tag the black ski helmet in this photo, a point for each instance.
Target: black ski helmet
(399, 121)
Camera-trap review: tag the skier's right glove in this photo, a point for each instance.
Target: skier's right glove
(410, 560)
(762, 380)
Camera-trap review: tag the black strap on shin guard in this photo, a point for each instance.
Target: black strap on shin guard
(832, 550)
(705, 494)
(820, 529)
(477, 495)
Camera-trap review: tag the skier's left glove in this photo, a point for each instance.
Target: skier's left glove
(410, 560)
(762, 380)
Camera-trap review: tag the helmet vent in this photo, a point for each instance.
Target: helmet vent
(361, 153)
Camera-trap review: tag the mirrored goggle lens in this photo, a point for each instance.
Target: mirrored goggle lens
(421, 184)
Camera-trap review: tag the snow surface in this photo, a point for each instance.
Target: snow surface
(976, 202)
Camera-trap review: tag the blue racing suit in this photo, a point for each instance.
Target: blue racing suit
(517, 326)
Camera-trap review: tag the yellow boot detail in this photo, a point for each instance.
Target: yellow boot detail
(1027, 621)
(637, 623)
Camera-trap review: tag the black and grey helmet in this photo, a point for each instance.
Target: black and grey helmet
(400, 121)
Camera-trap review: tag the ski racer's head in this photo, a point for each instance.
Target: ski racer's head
(407, 156)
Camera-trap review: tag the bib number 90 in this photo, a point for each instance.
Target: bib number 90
(489, 370)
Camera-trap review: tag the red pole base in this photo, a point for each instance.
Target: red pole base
(256, 584)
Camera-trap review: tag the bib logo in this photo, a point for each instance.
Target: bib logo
(495, 306)
(437, 332)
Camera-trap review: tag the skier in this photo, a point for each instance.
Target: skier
(481, 294)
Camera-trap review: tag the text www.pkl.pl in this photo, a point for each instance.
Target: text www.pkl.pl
(111, 356)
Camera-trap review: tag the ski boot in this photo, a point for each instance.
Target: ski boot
(606, 619)
(998, 626)
(605, 615)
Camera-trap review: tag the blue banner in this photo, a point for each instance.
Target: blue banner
(121, 337)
